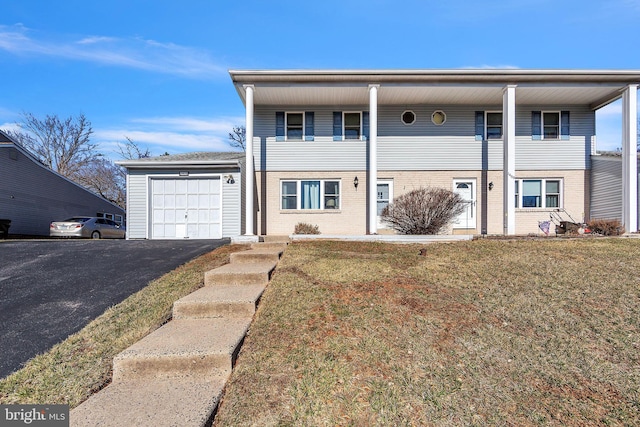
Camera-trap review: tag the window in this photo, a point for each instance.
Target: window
(494, 125)
(295, 125)
(310, 194)
(352, 125)
(408, 117)
(537, 193)
(551, 125)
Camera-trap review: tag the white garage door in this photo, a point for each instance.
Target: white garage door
(185, 208)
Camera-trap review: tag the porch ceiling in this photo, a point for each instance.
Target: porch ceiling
(444, 87)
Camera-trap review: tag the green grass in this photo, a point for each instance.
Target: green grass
(489, 332)
(81, 365)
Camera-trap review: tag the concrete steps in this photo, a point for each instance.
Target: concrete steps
(175, 375)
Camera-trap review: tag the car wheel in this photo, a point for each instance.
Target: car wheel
(95, 235)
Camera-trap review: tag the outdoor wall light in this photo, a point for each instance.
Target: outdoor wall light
(355, 182)
(230, 179)
(491, 186)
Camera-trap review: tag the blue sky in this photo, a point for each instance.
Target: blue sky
(156, 70)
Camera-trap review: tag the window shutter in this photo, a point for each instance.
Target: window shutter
(337, 126)
(536, 125)
(280, 126)
(564, 125)
(308, 126)
(479, 125)
(365, 124)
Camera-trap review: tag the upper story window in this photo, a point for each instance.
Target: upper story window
(494, 125)
(538, 193)
(352, 125)
(295, 126)
(550, 125)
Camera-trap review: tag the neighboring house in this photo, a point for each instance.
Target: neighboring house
(32, 195)
(606, 186)
(332, 148)
(196, 196)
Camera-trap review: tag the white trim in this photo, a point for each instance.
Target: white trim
(630, 158)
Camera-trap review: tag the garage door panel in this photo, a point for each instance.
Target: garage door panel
(186, 207)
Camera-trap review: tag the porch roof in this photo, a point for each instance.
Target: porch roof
(594, 88)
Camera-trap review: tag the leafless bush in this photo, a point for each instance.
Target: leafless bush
(304, 228)
(423, 211)
(606, 227)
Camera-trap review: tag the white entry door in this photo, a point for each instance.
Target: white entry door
(185, 208)
(467, 189)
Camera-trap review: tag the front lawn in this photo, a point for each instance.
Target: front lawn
(488, 332)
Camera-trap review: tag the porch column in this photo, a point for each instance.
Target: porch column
(249, 169)
(373, 159)
(509, 162)
(630, 159)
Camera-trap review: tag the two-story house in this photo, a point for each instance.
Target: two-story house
(333, 147)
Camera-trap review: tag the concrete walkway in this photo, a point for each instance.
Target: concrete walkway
(175, 376)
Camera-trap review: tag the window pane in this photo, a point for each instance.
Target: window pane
(352, 119)
(289, 202)
(551, 119)
(551, 201)
(294, 119)
(310, 197)
(494, 133)
(289, 188)
(531, 193)
(551, 132)
(331, 187)
(517, 193)
(494, 119)
(294, 133)
(331, 195)
(552, 187)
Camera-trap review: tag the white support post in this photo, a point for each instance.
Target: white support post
(509, 162)
(630, 159)
(373, 159)
(249, 167)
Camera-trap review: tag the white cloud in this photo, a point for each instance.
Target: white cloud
(169, 134)
(138, 53)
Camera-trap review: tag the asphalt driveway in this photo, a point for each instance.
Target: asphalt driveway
(50, 289)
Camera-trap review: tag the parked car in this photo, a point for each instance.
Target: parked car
(86, 226)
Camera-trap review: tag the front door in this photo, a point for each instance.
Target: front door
(466, 188)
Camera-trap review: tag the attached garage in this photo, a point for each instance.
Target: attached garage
(186, 196)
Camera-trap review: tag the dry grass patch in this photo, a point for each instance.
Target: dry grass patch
(473, 333)
(81, 365)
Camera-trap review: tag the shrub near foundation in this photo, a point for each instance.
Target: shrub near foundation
(606, 227)
(304, 228)
(423, 211)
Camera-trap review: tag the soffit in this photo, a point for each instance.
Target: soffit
(547, 94)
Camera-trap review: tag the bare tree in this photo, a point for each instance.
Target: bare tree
(130, 150)
(238, 138)
(104, 178)
(62, 145)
